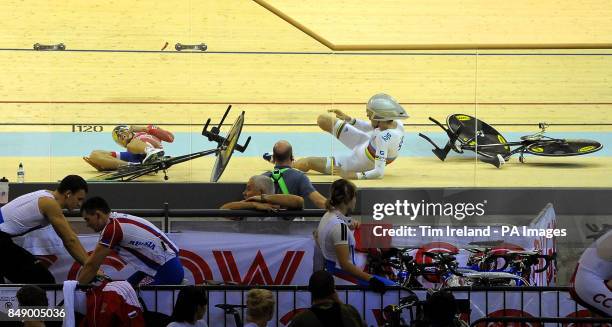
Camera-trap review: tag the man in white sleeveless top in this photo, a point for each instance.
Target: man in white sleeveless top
(33, 211)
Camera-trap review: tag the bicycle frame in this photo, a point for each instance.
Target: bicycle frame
(161, 165)
(469, 133)
(518, 263)
(522, 145)
(515, 271)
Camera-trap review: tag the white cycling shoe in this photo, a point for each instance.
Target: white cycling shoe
(153, 155)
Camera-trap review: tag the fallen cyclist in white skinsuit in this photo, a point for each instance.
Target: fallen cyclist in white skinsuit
(374, 143)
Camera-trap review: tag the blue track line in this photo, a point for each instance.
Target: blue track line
(66, 144)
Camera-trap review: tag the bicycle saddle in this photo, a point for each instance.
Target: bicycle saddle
(228, 307)
(533, 137)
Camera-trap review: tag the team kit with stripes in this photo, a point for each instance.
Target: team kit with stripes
(142, 245)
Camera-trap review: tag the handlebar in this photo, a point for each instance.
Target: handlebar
(530, 258)
(441, 256)
(547, 259)
(230, 307)
(446, 260)
(453, 137)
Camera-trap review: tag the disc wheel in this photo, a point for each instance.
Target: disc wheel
(563, 147)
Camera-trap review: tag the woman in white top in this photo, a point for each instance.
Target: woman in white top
(190, 308)
(337, 242)
(592, 280)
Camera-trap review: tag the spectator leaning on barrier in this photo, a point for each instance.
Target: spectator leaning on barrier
(326, 309)
(33, 211)
(151, 252)
(260, 307)
(291, 181)
(190, 308)
(259, 195)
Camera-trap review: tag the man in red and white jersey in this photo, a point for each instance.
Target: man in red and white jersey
(113, 304)
(136, 240)
(592, 280)
(143, 144)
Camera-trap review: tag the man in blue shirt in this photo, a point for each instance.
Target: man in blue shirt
(291, 181)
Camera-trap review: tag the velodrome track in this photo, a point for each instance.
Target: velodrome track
(114, 71)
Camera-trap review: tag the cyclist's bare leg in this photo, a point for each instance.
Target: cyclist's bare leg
(319, 164)
(322, 165)
(104, 160)
(326, 123)
(308, 163)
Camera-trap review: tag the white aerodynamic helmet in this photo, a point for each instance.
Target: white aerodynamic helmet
(384, 107)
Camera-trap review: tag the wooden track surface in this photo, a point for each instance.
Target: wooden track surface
(146, 25)
(303, 78)
(247, 65)
(353, 23)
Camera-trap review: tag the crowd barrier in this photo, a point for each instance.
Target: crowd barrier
(535, 305)
(167, 214)
(511, 321)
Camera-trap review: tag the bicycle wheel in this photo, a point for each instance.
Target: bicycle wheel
(563, 147)
(473, 132)
(227, 148)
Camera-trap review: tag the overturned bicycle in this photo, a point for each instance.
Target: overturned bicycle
(469, 133)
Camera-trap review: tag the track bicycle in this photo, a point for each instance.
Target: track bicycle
(469, 133)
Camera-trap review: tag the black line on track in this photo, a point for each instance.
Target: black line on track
(317, 53)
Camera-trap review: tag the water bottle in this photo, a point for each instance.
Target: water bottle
(20, 174)
(4, 190)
